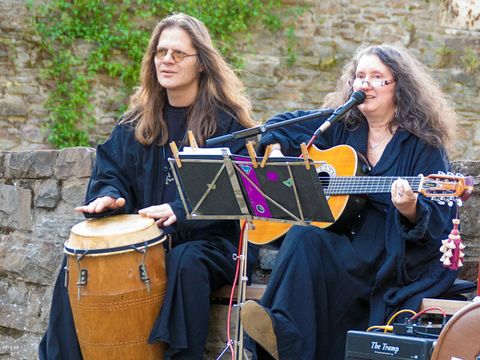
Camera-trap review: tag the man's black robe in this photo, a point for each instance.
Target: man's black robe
(200, 261)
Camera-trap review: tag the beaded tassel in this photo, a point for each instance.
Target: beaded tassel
(452, 248)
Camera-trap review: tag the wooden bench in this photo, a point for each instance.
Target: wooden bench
(222, 295)
(255, 292)
(449, 306)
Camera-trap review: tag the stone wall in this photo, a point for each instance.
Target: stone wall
(38, 191)
(327, 32)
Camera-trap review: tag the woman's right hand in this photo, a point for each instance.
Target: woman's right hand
(102, 204)
(276, 151)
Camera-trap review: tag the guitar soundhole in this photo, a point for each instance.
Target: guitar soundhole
(324, 179)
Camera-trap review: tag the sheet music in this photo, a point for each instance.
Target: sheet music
(205, 151)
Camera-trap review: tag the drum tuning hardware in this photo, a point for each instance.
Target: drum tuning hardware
(144, 276)
(142, 268)
(66, 270)
(82, 274)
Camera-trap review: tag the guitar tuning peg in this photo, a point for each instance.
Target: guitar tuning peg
(440, 202)
(450, 203)
(459, 202)
(459, 175)
(450, 173)
(441, 173)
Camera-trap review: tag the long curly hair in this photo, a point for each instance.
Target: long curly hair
(422, 108)
(219, 87)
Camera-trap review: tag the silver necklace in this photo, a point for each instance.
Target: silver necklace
(374, 146)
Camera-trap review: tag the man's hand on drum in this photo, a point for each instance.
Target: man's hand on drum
(102, 204)
(163, 213)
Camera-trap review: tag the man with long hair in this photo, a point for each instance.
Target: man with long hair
(185, 85)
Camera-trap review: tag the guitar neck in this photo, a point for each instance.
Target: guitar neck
(346, 185)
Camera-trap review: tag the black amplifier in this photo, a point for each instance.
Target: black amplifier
(363, 345)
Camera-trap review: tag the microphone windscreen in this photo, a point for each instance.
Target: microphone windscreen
(358, 96)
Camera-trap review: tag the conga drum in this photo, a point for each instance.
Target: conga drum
(116, 284)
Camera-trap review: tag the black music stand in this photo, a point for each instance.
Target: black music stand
(214, 184)
(230, 187)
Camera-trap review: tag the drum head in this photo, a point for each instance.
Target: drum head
(114, 232)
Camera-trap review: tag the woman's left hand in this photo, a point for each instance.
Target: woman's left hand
(163, 213)
(404, 199)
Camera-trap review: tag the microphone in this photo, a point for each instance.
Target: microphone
(357, 98)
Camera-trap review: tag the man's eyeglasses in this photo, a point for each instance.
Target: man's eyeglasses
(177, 55)
(374, 83)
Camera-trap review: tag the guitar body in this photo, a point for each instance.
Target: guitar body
(340, 160)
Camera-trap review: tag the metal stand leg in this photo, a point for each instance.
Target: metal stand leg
(242, 288)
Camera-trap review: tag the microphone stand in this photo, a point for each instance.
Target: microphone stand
(266, 128)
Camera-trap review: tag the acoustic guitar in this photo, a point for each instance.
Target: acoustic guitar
(341, 173)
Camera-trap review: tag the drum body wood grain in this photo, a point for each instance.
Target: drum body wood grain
(113, 305)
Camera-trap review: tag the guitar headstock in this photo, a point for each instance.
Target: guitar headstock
(449, 187)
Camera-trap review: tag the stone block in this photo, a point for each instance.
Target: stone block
(22, 257)
(32, 133)
(469, 220)
(20, 305)
(46, 194)
(3, 159)
(54, 228)
(9, 136)
(267, 258)
(468, 167)
(13, 346)
(470, 268)
(23, 89)
(74, 162)
(31, 164)
(460, 14)
(4, 51)
(73, 191)
(15, 207)
(13, 107)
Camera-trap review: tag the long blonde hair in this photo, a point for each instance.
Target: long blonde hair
(219, 87)
(422, 108)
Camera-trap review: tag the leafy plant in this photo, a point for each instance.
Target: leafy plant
(294, 13)
(445, 55)
(470, 61)
(115, 34)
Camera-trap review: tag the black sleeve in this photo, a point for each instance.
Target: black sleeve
(109, 176)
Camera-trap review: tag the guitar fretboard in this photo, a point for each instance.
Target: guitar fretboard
(346, 185)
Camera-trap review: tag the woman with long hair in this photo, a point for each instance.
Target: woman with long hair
(184, 85)
(326, 281)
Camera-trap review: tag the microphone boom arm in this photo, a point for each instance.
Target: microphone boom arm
(266, 128)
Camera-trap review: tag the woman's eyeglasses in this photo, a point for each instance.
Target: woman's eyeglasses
(177, 55)
(374, 83)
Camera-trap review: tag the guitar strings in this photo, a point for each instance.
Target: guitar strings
(363, 185)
